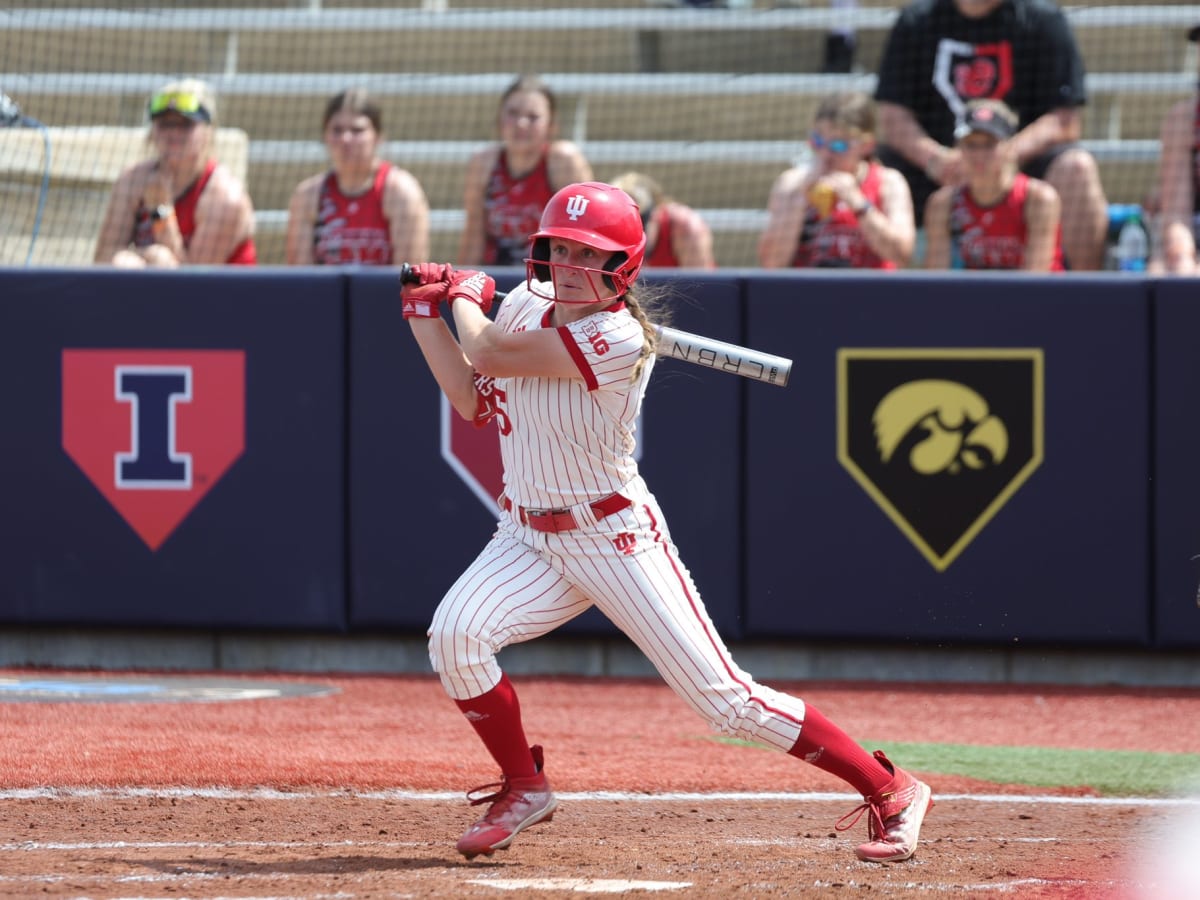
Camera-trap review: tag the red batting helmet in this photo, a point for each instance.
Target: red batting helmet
(598, 215)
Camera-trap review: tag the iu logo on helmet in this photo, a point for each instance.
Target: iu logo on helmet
(153, 430)
(576, 206)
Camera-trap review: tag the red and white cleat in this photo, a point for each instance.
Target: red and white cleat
(518, 804)
(894, 817)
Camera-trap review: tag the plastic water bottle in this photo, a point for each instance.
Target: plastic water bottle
(1133, 245)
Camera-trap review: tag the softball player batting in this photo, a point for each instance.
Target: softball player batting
(562, 370)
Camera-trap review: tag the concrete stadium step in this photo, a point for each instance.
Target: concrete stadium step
(1114, 38)
(591, 106)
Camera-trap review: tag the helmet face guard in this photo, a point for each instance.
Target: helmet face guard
(600, 216)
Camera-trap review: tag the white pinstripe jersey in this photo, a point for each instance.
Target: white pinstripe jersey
(565, 441)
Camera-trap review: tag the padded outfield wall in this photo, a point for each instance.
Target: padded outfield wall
(1009, 459)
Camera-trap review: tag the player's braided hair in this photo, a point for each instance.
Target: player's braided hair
(643, 303)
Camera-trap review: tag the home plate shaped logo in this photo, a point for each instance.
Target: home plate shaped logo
(153, 430)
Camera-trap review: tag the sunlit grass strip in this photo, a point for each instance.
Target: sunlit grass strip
(1110, 772)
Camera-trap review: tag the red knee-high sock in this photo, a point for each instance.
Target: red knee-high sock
(496, 718)
(829, 748)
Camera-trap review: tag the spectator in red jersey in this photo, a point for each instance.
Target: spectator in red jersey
(180, 207)
(676, 235)
(1179, 187)
(1000, 218)
(363, 210)
(509, 182)
(842, 208)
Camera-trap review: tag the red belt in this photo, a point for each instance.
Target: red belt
(556, 520)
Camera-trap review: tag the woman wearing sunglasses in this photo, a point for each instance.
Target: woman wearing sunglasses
(363, 210)
(1000, 218)
(841, 208)
(180, 207)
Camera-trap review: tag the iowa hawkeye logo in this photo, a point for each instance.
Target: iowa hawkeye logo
(940, 439)
(153, 430)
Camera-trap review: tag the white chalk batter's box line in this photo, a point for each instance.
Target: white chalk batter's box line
(73, 793)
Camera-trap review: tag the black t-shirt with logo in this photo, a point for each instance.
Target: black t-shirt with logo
(936, 60)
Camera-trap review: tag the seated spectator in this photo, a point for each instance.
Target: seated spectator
(509, 182)
(939, 55)
(180, 207)
(676, 235)
(842, 208)
(1178, 213)
(999, 218)
(362, 210)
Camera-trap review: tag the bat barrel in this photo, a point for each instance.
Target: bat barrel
(724, 357)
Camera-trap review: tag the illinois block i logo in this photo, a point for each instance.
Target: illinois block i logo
(153, 430)
(940, 438)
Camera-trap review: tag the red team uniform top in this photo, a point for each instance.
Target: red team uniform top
(352, 229)
(512, 209)
(1196, 169)
(564, 441)
(993, 237)
(837, 240)
(662, 256)
(185, 215)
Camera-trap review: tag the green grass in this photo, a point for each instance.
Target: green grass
(1111, 772)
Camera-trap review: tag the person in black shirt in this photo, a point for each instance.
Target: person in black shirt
(941, 54)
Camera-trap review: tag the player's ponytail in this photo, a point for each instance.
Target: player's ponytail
(641, 304)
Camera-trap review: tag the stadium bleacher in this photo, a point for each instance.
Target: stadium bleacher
(714, 103)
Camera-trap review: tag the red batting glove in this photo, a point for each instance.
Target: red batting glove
(478, 287)
(425, 291)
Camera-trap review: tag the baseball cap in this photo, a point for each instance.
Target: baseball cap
(989, 116)
(191, 99)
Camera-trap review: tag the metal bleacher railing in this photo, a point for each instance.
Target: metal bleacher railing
(1125, 103)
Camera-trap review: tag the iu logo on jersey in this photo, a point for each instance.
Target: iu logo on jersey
(153, 430)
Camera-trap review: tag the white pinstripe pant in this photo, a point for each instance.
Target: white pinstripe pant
(526, 583)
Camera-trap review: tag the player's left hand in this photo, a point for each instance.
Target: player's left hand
(468, 284)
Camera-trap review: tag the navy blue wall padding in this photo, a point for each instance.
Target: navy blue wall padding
(415, 525)
(1177, 464)
(340, 511)
(1064, 560)
(264, 546)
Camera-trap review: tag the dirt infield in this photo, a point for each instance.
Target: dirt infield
(356, 793)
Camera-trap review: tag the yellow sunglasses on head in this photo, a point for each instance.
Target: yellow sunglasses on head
(184, 103)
